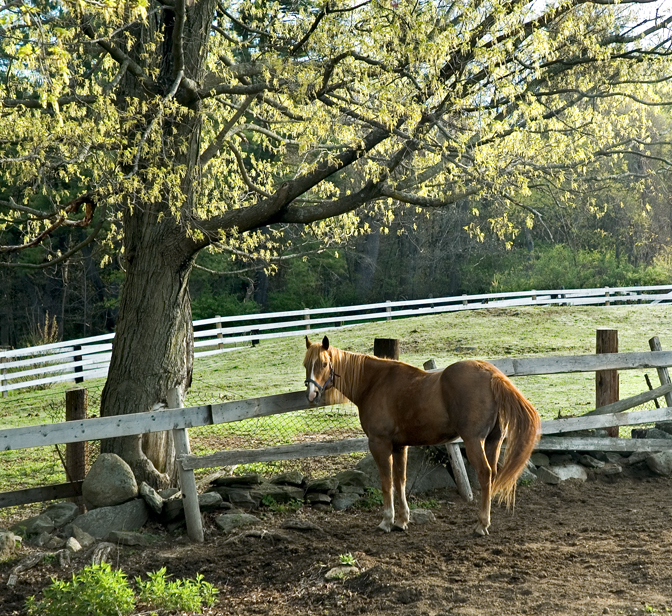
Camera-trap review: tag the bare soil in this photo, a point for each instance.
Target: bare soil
(579, 549)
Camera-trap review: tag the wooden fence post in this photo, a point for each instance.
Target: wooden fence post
(76, 454)
(307, 318)
(606, 381)
(386, 347)
(388, 309)
(78, 379)
(192, 511)
(607, 294)
(663, 373)
(220, 336)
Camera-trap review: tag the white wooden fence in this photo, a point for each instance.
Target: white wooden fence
(180, 419)
(89, 358)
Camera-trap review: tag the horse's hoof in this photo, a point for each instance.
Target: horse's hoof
(481, 530)
(400, 528)
(386, 528)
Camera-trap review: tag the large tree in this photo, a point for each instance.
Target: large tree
(166, 128)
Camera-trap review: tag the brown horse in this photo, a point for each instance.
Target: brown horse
(401, 405)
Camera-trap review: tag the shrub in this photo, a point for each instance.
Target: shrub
(99, 590)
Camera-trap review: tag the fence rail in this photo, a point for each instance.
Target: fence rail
(89, 358)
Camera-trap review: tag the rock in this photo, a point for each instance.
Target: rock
(63, 558)
(239, 481)
(62, 513)
(540, 459)
(280, 493)
(55, 543)
(352, 478)
(609, 469)
(636, 457)
(8, 541)
(660, 463)
(73, 545)
(102, 553)
(665, 426)
(423, 474)
(291, 478)
(173, 509)
(151, 497)
(122, 537)
(230, 521)
(526, 477)
(343, 500)
(651, 433)
(109, 482)
(556, 474)
(342, 572)
(558, 459)
(240, 498)
(317, 498)
(168, 493)
(100, 522)
(328, 484)
(39, 541)
(84, 539)
(35, 525)
(422, 516)
(210, 501)
(591, 462)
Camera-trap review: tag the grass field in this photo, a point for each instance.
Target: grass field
(276, 367)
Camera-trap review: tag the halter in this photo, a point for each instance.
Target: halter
(323, 388)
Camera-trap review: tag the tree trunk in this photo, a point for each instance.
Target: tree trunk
(152, 353)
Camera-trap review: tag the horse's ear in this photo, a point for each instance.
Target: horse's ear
(308, 342)
(325, 343)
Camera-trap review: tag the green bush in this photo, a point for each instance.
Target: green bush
(99, 590)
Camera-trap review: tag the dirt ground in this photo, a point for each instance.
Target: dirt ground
(592, 548)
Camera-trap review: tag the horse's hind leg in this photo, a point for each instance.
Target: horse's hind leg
(478, 459)
(381, 451)
(400, 457)
(493, 445)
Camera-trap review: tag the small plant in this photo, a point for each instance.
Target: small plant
(97, 590)
(188, 595)
(274, 505)
(430, 503)
(347, 559)
(372, 498)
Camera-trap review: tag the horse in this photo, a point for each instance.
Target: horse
(401, 406)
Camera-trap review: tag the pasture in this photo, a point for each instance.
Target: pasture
(592, 548)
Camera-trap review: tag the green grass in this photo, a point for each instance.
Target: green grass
(276, 367)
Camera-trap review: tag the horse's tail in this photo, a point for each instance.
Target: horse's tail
(521, 424)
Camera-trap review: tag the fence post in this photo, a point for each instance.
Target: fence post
(4, 375)
(192, 512)
(663, 373)
(386, 347)
(607, 295)
(606, 381)
(464, 301)
(306, 318)
(220, 336)
(388, 309)
(78, 379)
(76, 454)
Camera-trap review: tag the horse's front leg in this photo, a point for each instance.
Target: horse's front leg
(476, 455)
(400, 457)
(381, 450)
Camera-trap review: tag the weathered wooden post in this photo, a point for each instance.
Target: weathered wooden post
(76, 454)
(386, 347)
(306, 317)
(220, 336)
(606, 381)
(455, 456)
(192, 511)
(663, 373)
(388, 309)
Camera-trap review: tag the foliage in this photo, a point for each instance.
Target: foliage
(372, 498)
(188, 595)
(99, 590)
(347, 559)
(275, 506)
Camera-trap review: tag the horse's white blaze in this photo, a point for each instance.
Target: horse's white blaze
(312, 390)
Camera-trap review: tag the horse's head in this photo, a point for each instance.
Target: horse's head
(319, 369)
